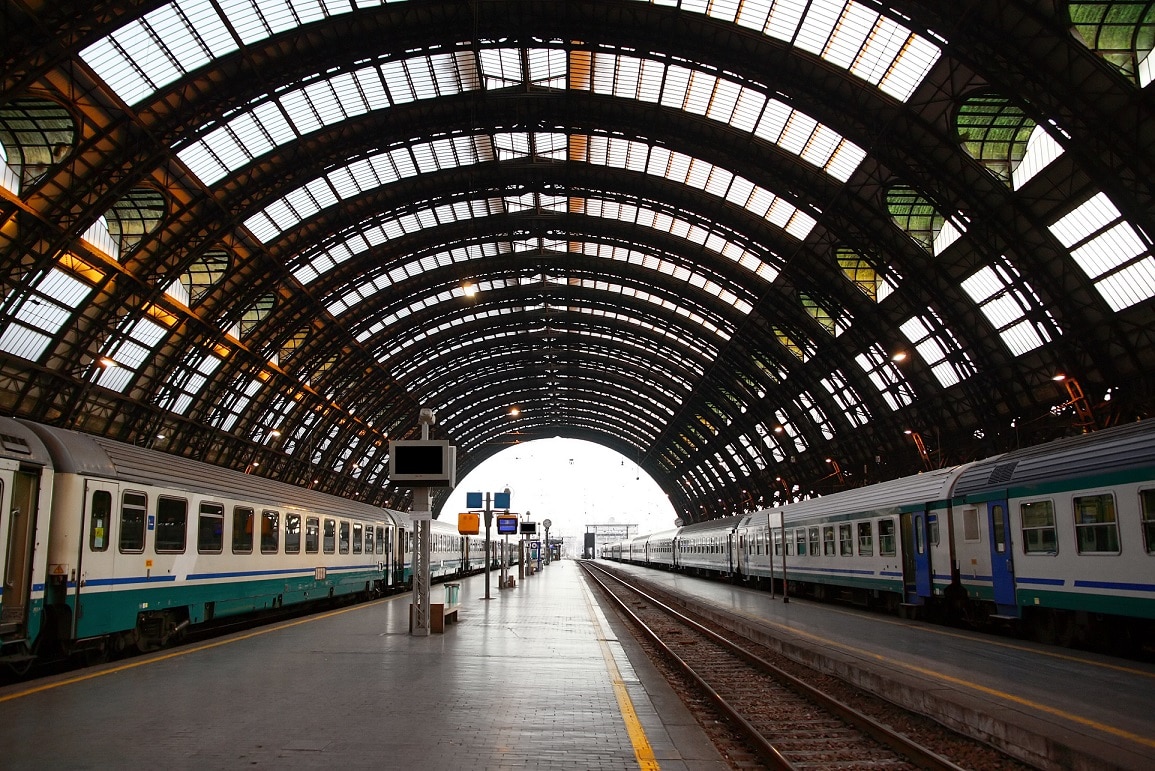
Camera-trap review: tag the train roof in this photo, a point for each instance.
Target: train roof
(894, 496)
(19, 443)
(721, 523)
(79, 453)
(1109, 451)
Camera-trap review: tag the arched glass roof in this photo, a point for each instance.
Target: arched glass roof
(730, 239)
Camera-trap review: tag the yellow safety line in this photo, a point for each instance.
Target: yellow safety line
(642, 749)
(181, 652)
(1137, 738)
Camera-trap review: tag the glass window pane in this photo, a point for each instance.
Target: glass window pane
(329, 543)
(211, 528)
(1147, 506)
(292, 534)
(171, 525)
(1096, 529)
(132, 514)
(100, 520)
(243, 530)
(270, 532)
(886, 546)
(866, 539)
(312, 535)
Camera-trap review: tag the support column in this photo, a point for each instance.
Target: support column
(422, 554)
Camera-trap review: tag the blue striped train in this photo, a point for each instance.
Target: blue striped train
(1057, 541)
(106, 546)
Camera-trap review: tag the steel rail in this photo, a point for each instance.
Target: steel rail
(914, 752)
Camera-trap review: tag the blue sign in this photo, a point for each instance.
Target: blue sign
(152, 522)
(473, 500)
(501, 500)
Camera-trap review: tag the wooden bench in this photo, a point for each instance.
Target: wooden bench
(439, 615)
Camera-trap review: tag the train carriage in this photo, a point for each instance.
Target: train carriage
(885, 541)
(1064, 529)
(26, 489)
(143, 544)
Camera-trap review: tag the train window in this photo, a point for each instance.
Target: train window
(828, 541)
(1096, 528)
(171, 525)
(312, 534)
(886, 538)
(1039, 534)
(999, 525)
(368, 539)
(932, 528)
(1147, 504)
(270, 531)
(920, 534)
(381, 539)
(777, 544)
(210, 528)
(845, 541)
(358, 530)
(292, 534)
(100, 520)
(243, 518)
(329, 542)
(132, 514)
(343, 541)
(865, 539)
(971, 532)
(814, 544)
(800, 541)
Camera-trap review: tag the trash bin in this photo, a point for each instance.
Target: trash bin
(452, 594)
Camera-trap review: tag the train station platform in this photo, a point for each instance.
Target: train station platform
(536, 677)
(1057, 707)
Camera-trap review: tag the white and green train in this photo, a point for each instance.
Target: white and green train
(1057, 539)
(108, 546)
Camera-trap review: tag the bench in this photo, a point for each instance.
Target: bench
(439, 615)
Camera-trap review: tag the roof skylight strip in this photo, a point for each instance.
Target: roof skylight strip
(355, 294)
(185, 35)
(641, 346)
(288, 211)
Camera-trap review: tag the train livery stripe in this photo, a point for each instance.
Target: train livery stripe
(1115, 585)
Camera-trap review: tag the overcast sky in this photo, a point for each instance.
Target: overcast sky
(571, 482)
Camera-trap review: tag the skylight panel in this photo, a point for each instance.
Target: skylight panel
(1109, 250)
(847, 38)
(910, 67)
(885, 376)
(43, 314)
(932, 341)
(1041, 150)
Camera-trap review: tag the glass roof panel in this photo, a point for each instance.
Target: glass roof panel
(249, 135)
(1109, 250)
(339, 184)
(146, 54)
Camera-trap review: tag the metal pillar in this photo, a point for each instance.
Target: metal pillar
(422, 514)
(488, 550)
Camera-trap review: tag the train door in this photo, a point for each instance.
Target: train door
(20, 532)
(737, 553)
(916, 573)
(95, 556)
(1002, 568)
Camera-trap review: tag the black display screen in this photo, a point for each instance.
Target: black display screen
(418, 459)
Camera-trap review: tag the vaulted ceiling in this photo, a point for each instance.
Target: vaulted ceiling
(764, 249)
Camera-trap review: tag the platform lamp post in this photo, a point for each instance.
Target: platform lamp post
(546, 523)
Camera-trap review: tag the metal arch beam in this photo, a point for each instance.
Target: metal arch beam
(493, 356)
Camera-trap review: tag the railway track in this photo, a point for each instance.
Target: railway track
(788, 723)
